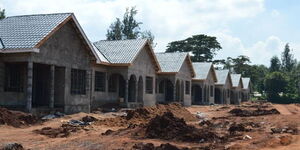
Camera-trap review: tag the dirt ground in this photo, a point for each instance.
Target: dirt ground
(214, 127)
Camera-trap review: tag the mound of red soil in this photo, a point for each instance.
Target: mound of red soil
(16, 118)
(150, 146)
(64, 131)
(258, 112)
(144, 114)
(169, 127)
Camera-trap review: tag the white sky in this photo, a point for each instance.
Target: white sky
(243, 27)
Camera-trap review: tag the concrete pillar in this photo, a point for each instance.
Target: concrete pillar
(29, 86)
(126, 92)
(136, 90)
(52, 74)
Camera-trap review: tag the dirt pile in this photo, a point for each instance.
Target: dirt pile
(16, 118)
(258, 112)
(64, 130)
(242, 127)
(144, 114)
(12, 146)
(150, 146)
(169, 127)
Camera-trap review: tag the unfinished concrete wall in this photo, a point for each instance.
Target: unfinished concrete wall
(210, 83)
(184, 75)
(65, 48)
(160, 97)
(7, 98)
(143, 67)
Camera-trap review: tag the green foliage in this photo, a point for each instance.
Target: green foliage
(128, 28)
(275, 83)
(202, 47)
(288, 61)
(131, 28)
(275, 64)
(115, 31)
(2, 13)
(240, 65)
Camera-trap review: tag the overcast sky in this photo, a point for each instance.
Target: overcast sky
(256, 28)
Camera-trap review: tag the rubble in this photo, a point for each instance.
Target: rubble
(247, 113)
(150, 146)
(89, 119)
(64, 131)
(52, 116)
(291, 130)
(16, 119)
(12, 146)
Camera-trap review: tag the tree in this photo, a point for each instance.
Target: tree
(275, 83)
(128, 28)
(131, 28)
(2, 13)
(275, 64)
(115, 31)
(203, 47)
(241, 64)
(287, 59)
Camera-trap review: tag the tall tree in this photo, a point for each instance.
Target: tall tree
(128, 28)
(115, 31)
(275, 64)
(275, 83)
(2, 13)
(240, 64)
(287, 59)
(131, 27)
(203, 47)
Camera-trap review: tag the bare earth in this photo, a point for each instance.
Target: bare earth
(91, 137)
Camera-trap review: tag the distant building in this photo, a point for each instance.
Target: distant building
(203, 84)
(175, 78)
(247, 89)
(237, 86)
(223, 87)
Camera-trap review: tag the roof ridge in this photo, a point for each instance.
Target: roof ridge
(120, 40)
(29, 15)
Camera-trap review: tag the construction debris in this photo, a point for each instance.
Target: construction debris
(52, 116)
(290, 130)
(64, 131)
(247, 113)
(150, 146)
(12, 146)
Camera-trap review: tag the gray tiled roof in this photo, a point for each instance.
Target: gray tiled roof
(120, 51)
(222, 76)
(235, 79)
(246, 82)
(170, 62)
(23, 32)
(202, 70)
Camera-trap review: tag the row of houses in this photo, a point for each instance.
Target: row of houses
(47, 62)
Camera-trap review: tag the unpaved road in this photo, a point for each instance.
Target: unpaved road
(287, 109)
